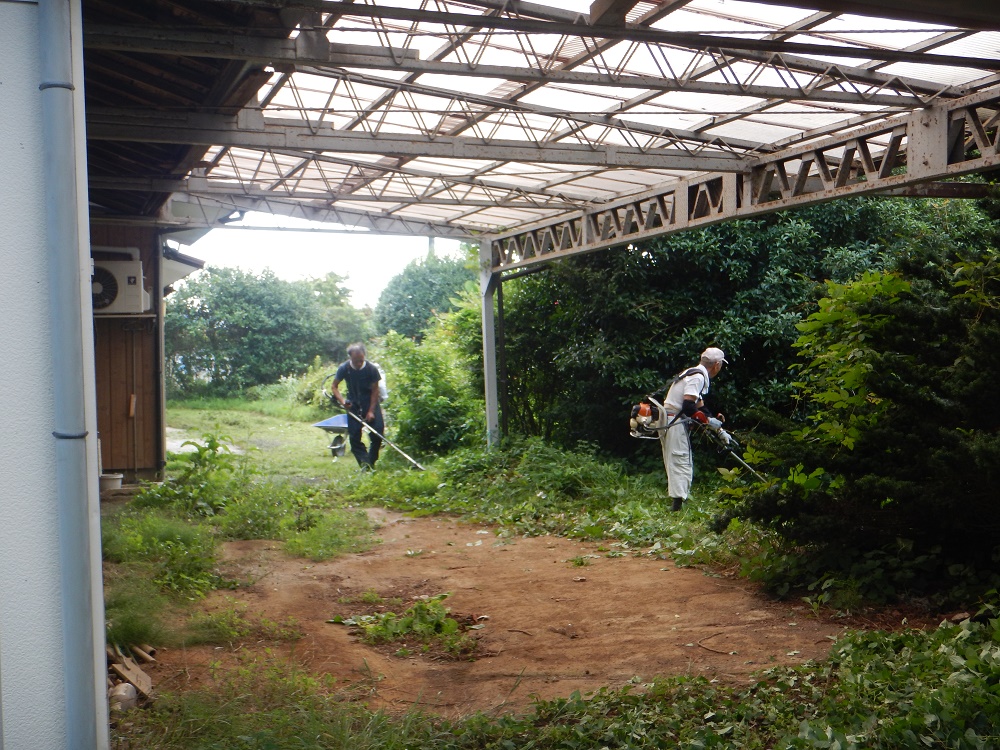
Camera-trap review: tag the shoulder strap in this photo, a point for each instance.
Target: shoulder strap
(687, 373)
(694, 371)
(681, 376)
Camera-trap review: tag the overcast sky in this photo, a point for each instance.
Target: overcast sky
(368, 261)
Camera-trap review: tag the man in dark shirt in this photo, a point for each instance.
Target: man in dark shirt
(363, 401)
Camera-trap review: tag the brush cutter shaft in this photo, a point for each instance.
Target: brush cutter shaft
(720, 437)
(366, 426)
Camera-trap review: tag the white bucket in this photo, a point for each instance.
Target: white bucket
(111, 481)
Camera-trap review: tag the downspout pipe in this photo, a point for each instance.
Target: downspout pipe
(70, 427)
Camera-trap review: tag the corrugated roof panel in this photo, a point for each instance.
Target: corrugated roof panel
(776, 93)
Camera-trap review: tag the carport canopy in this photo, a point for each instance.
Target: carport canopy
(482, 118)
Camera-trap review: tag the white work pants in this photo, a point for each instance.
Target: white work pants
(676, 446)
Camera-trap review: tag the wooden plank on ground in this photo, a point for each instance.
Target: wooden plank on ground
(129, 672)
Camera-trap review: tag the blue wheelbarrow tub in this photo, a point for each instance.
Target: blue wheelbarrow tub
(337, 427)
(336, 423)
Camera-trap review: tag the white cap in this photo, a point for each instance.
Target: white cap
(714, 356)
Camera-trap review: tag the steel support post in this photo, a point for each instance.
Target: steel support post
(488, 282)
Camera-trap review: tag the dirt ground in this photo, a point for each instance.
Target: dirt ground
(550, 626)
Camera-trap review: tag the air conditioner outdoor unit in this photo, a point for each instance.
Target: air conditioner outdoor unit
(117, 287)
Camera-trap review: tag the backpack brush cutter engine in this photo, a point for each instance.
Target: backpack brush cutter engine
(646, 423)
(644, 414)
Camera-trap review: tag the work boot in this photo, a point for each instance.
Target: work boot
(678, 502)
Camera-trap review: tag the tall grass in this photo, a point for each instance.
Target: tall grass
(177, 554)
(338, 531)
(133, 610)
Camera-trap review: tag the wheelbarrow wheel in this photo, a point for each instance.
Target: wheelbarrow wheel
(338, 446)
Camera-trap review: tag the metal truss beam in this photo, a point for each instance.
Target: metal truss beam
(610, 11)
(523, 9)
(202, 210)
(589, 53)
(952, 139)
(200, 186)
(252, 130)
(690, 40)
(310, 50)
(973, 14)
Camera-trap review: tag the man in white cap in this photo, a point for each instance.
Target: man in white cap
(684, 399)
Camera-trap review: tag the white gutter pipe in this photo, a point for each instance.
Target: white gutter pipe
(73, 478)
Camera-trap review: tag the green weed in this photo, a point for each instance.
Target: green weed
(233, 624)
(339, 531)
(427, 620)
(270, 509)
(178, 554)
(133, 611)
(200, 484)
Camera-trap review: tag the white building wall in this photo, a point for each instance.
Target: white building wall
(33, 695)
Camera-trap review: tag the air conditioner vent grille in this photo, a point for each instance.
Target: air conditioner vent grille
(104, 286)
(117, 288)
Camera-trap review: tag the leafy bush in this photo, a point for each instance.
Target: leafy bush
(200, 487)
(438, 411)
(890, 478)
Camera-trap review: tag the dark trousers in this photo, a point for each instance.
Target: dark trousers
(365, 456)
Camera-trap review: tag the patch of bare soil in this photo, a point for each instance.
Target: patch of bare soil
(551, 627)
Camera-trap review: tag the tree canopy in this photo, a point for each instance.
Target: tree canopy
(424, 288)
(227, 330)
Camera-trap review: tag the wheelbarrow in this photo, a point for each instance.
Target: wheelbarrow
(337, 427)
